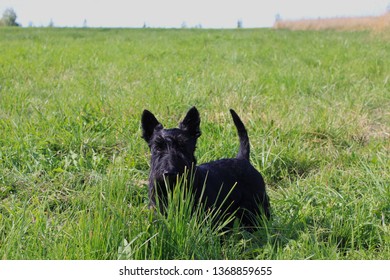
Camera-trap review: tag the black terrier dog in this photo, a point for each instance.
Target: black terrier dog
(230, 185)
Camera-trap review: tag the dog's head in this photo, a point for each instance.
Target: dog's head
(172, 150)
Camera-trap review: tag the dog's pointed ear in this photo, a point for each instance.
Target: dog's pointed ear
(149, 124)
(191, 123)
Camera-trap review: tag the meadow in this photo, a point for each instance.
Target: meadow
(74, 169)
(373, 23)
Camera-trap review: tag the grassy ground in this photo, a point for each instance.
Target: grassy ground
(373, 23)
(73, 167)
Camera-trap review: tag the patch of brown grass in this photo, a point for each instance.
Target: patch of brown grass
(378, 23)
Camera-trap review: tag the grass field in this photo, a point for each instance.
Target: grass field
(74, 169)
(372, 23)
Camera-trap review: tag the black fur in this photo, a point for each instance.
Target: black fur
(233, 185)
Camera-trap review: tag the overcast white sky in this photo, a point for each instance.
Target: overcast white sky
(173, 13)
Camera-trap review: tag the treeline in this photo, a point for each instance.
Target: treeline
(9, 18)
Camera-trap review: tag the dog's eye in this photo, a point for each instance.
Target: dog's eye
(160, 145)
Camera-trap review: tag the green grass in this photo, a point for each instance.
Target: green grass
(74, 169)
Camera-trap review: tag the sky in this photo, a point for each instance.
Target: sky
(180, 13)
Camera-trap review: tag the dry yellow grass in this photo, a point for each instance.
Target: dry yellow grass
(378, 23)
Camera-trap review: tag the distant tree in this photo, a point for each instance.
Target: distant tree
(183, 24)
(9, 18)
(51, 23)
(239, 23)
(85, 23)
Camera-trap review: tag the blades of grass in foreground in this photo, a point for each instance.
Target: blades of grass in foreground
(186, 230)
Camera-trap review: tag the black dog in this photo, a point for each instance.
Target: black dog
(231, 185)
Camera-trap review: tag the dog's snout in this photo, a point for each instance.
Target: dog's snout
(170, 173)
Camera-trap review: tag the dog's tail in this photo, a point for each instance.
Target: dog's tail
(243, 153)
